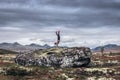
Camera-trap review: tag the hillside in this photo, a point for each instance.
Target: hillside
(22, 48)
(108, 48)
(3, 51)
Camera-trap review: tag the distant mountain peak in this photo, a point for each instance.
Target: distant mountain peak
(107, 47)
(110, 45)
(5, 43)
(16, 43)
(46, 45)
(33, 44)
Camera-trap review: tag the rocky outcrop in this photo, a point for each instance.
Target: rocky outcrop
(56, 57)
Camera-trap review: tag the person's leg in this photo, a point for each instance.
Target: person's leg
(56, 32)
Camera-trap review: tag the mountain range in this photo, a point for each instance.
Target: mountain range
(108, 48)
(25, 48)
(22, 48)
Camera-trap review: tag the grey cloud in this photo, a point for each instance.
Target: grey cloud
(13, 1)
(111, 4)
(14, 15)
(89, 13)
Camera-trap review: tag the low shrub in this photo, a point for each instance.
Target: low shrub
(16, 71)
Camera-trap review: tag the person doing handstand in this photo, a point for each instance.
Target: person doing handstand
(58, 38)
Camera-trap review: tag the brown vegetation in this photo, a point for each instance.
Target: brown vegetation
(102, 67)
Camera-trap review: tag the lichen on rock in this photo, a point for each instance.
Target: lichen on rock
(56, 57)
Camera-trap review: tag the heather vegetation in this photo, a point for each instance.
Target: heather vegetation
(102, 67)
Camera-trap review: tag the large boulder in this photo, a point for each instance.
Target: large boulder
(56, 57)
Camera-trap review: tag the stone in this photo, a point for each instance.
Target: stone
(56, 57)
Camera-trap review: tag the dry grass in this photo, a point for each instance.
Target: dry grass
(105, 67)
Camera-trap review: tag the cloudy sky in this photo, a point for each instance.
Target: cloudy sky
(81, 22)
